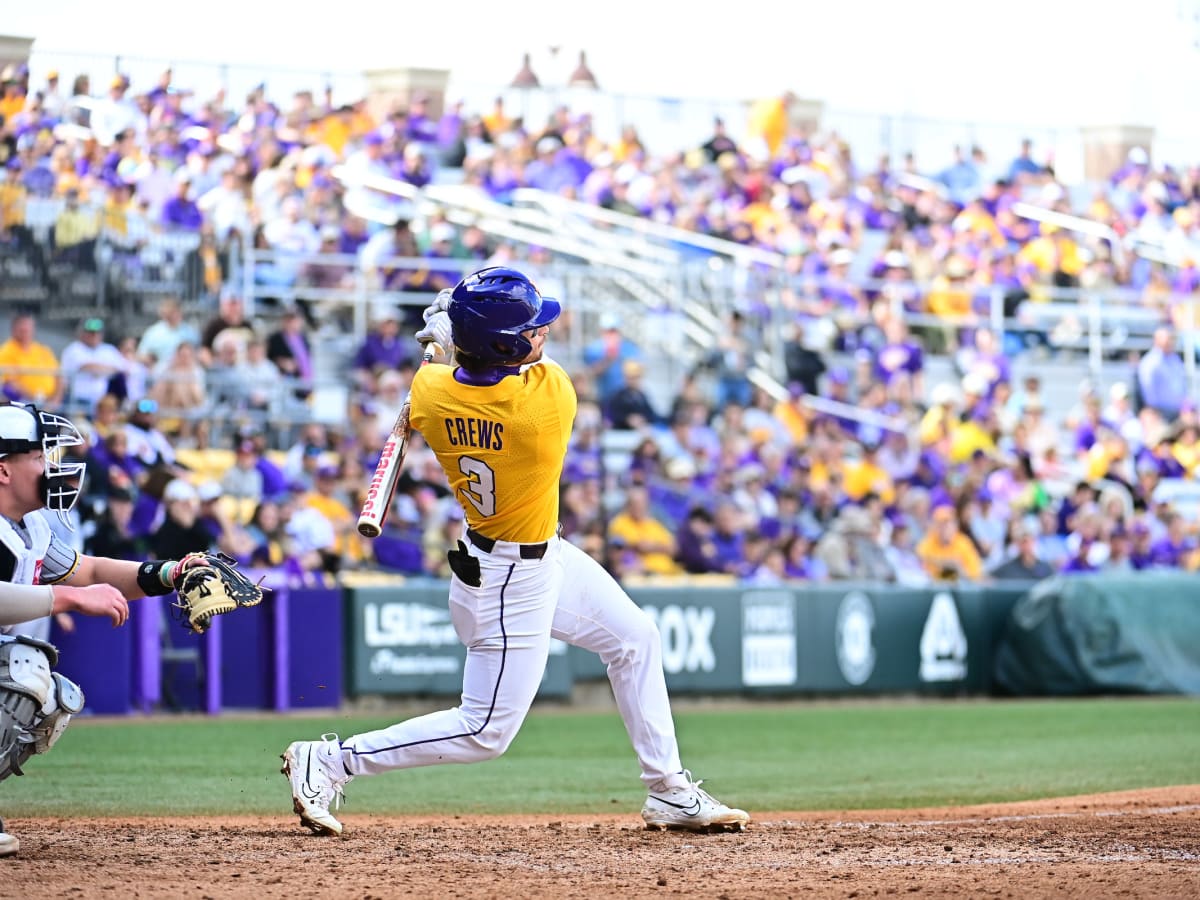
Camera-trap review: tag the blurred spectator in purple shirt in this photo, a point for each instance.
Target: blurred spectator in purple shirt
(1087, 557)
(899, 355)
(38, 178)
(551, 170)
(414, 166)
(449, 135)
(984, 359)
(727, 536)
(583, 461)
(1174, 547)
(695, 549)
(383, 349)
(1161, 375)
(420, 127)
(1141, 553)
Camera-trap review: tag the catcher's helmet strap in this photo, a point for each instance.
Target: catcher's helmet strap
(18, 445)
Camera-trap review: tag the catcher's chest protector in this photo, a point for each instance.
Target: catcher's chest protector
(26, 558)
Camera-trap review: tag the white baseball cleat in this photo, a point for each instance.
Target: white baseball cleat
(691, 808)
(8, 842)
(317, 776)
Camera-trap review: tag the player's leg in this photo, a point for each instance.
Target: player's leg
(506, 629)
(8, 843)
(35, 706)
(595, 613)
(505, 625)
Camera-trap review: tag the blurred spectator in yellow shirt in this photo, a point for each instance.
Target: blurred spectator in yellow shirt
(768, 121)
(644, 536)
(1186, 449)
(949, 298)
(114, 217)
(12, 100)
(497, 122)
(866, 476)
(974, 435)
(76, 230)
(976, 220)
(942, 416)
(38, 378)
(325, 499)
(947, 553)
(793, 414)
(12, 201)
(628, 146)
(339, 127)
(1055, 256)
(1107, 457)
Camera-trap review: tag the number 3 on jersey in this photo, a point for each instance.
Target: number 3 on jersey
(480, 488)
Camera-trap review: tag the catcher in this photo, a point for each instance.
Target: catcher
(40, 575)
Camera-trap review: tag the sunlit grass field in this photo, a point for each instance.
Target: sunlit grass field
(770, 756)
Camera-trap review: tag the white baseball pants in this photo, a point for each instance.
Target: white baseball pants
(506, 625)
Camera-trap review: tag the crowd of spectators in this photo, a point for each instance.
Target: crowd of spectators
(969, 479)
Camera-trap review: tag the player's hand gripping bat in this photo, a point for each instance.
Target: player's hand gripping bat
(391, 458)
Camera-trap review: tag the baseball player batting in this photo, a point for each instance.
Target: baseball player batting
(499, 420)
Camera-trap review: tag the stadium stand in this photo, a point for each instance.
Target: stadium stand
(818, 347)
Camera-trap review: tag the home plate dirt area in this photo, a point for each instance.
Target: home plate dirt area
(1129, 844)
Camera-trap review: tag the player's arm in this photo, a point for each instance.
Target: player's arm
(24, 602)
(120, 573)
(152, 578)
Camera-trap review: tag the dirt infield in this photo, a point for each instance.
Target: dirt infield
(1137, 843)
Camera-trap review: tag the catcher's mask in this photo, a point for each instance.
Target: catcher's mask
(23, 429)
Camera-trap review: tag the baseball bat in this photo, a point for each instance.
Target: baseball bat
(391, 458)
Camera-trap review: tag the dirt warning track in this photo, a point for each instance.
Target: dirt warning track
(1129, 844)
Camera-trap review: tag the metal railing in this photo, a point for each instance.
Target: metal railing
(676, 310)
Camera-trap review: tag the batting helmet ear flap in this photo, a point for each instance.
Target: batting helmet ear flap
(491, 308)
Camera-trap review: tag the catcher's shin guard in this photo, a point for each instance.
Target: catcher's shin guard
(36, 704)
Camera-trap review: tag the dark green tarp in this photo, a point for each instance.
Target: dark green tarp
(1090, 634)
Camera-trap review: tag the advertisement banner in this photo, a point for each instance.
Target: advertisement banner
(802, 639)
(401, 641)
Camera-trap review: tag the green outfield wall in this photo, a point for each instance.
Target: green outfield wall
(848, 639)
(1082, 634)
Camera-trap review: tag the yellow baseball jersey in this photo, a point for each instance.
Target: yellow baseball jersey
(501, 446)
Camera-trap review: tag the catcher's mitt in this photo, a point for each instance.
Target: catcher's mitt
(209, 584)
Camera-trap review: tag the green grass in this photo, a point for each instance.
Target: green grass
(774, 756)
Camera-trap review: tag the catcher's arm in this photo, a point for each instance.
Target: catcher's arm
(207, 584)
(132, 579)
(23, 602)
(387, 472)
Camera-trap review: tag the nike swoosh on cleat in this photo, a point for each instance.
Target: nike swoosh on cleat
(693, 810)
(311, 795)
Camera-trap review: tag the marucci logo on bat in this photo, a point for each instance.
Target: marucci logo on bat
(389, 450)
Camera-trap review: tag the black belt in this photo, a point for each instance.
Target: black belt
(528, 551)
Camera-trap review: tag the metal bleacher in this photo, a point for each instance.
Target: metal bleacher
(672, 288)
